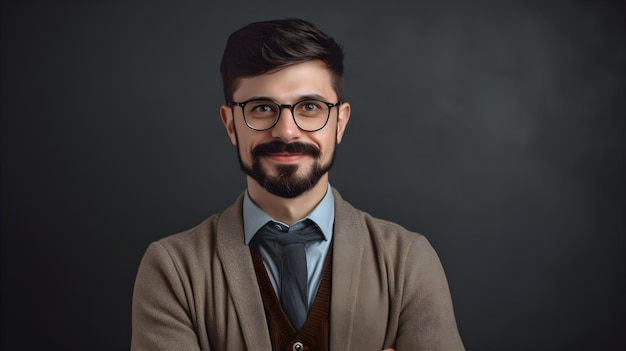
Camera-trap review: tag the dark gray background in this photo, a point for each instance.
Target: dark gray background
(495, 128)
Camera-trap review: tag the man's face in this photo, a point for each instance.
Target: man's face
(286, 160)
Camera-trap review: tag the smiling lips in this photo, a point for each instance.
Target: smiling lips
(286, 157)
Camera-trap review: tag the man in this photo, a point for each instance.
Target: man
(291, 265)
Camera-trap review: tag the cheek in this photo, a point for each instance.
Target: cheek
(245, 144)
(245, 150)
(328, 143)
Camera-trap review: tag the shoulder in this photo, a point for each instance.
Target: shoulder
(389, 239)
(194, 239)
(179, 252)
(392, 236)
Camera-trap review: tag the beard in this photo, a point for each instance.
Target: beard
(287, 183)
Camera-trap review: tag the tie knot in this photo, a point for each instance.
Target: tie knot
(281, 235)
(279, 227)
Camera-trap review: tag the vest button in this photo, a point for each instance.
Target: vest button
(298, 346)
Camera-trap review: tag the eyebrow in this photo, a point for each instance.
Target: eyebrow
(300, 98)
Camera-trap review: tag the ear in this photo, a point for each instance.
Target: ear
(226, 113)
(342, 120)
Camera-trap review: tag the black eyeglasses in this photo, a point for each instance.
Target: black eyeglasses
(310, 115)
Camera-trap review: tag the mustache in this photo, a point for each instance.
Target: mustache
(278, 146)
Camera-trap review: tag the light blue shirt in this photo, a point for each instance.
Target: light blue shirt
(323, 215)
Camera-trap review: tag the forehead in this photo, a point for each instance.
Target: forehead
(288, 84)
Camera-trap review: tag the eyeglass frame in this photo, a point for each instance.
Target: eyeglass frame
(280, 111)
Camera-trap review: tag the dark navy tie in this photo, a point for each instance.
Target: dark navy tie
(287, 249)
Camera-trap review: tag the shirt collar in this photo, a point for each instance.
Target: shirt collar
(323, 215)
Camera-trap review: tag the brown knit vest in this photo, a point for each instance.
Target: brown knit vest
(314, 334)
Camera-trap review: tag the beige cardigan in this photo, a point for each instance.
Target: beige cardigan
(197, 290)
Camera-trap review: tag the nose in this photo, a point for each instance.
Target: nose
(286, 128)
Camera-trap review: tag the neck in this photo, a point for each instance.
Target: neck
(288, 211)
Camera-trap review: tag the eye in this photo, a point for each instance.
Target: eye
(260, 108)
(310, 106)
(263, 108)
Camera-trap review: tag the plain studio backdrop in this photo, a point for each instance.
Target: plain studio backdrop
(494, 128)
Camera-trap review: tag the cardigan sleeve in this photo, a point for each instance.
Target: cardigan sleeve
(161, 316)
(426, 320)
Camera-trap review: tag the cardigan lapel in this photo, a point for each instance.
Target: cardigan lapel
(242, 283)
(347, 255)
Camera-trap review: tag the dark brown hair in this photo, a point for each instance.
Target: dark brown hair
(262, 47)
